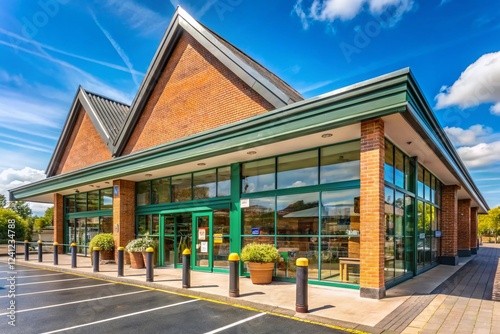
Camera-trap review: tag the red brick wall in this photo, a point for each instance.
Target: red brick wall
(449, 213)
(124, 213)
(194, 93)
(464, 224)
(85, 146)
(372, 209)
(59, 220)
(473, 227)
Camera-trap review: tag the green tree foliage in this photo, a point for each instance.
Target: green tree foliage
(20, 225)
(3, 201)
(42, 222)
(489, 225)
(21, 208)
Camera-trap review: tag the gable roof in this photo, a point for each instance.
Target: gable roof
(106, 115)
(268, 85)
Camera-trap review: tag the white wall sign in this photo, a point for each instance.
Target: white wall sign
(245, 203)
(204, 246)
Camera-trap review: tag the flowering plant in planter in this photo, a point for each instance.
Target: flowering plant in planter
(260, 259)
(106, 243)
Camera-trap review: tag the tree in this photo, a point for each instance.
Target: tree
(21, 208)
(490, 224)
(3, 201)
(46, 220)
(11, 224)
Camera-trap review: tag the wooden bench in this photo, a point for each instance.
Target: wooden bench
(344, 262)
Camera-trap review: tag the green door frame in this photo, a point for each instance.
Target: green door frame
(196, 242)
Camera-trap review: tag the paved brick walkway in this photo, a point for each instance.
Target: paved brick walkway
(467, 302)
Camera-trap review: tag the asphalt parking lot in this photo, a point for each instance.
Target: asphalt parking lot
(44, 301)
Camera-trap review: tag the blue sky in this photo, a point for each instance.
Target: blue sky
(49, 47)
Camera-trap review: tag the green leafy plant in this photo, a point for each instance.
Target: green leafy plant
(104, 241)
(149, 242)
(259, 253)
(136, 245)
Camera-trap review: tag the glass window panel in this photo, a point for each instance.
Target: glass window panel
(81, 202)
(428, 218)
(143, 193)
(399, 255)
(143, 224)
(433, 224)
(389, 211)
(421, 217)
(340, 163)
(181, 188)
(427, 187)
(205, 184)
(298, 170)
(258, 176)
(69, 204)
(400, 169)
(340, 215)
(92, 229)
(221, 222)
(290, 249)
(420, 182)
(389, 270)
(160, 191)
(93, 200)
(389, 162)
(70, 231)
(409, 174)
(298, 215)
(224, 181)
(258, 218)
(107, 199)
(106, 224)
(183, 223)
(433, 189)
(155, 224)
(409, 230)
(437, 194)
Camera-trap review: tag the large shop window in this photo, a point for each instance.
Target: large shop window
(326, 165)
(321, 226)
(210, 183)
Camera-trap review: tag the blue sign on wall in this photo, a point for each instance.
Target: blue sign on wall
(255, 231)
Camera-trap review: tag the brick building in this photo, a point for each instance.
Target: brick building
(215, 152)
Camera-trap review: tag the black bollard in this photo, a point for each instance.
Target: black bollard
(95, 255)
(73, 255)
(149, 264)
(56, 253)
(186, 269)
(301, 304)
(26, 250)
(120, 261)
(234, 277)
(40, 256)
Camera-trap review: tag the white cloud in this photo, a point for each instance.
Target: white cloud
(11, 178)
(332, 10)
(479, 83)
(479, 155)
(474, 135)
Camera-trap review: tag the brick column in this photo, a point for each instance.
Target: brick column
(59, 220)
(464, 227)
(449, 213)
(372, 223)
(473, 230)
(123, 212)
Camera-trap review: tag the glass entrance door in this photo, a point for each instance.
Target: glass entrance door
(201, 252)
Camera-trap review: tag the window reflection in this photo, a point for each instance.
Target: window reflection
(205, 184)
(258, 176)
(340, 163)
(298, 170)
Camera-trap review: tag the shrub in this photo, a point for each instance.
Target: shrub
(104, 241)
(260, 253)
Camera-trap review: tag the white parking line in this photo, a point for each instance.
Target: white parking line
(235, 323)
(35, 275)
(9, 271)
(49, 291)
(77, 302)
(121, 316)
(42, 282)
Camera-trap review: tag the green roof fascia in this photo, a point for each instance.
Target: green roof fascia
(423, 115)
(373, 98)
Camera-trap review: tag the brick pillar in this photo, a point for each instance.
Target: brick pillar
(123, 212)
(464, 227)
(372, 223)
(473, 230)
(59, 220)
(449, 213)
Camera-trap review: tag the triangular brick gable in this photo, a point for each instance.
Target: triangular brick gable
(195, 92)
(84, 146)
(196, 82)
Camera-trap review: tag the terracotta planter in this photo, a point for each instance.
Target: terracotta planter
(103, 256)
(136, 260)
(261, 273)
